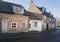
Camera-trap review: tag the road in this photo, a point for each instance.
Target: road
(49, 36)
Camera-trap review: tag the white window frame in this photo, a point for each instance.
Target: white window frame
(45, 17)
(33, 25)
(20, 9)
(25, 25)
(43, 10)
(11, 25)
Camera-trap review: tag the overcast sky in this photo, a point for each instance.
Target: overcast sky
(52, 6)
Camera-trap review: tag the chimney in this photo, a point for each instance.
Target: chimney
(31, 1)
(45, 9)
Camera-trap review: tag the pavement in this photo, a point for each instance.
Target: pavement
(45, 36)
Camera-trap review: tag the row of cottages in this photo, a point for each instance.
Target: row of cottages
(40, 19)
(14, 18)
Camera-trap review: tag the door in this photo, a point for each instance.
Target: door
(47, 26)
(53, 26)
(44, 25)
(4, 25)
(39, 26)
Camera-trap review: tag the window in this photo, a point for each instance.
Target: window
(18, 9)
(44, 17)
(23, 25)
(35, 24)
(14, 25)
(43, 10)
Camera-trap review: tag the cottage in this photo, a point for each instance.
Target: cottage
(13, 18)
(47, 21)
(53, 22)
(35, 18)
(39, 18)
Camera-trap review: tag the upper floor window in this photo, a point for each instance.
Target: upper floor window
(43, 10)
(45, 17)
(18, 9)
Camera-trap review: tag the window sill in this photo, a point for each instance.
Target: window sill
(24, 28)
(13, 28)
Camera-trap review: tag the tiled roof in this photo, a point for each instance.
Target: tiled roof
(7, 6)
(45, 12)
(40, 8)
(34, 16)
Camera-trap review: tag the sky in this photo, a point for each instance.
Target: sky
(52, 6)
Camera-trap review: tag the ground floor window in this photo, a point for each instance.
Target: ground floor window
(34, 24)
(14, 25)
(23, 25)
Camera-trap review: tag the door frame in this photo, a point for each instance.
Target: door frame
(4, 20)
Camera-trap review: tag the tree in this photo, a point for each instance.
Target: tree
(0, 4)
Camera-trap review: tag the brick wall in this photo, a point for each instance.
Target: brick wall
(15, 18)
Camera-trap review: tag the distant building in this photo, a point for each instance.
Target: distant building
(58, 22)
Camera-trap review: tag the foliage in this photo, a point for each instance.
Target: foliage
(1, 5)
(58, 23)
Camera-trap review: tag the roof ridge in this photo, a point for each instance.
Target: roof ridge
(12, 3)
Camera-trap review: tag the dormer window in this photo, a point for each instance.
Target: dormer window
(18, 9)
(43, 10)
(44, 17)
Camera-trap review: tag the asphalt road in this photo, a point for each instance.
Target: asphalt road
(49, 36)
